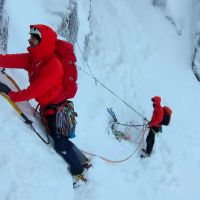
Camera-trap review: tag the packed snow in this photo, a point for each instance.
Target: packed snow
(136, 52)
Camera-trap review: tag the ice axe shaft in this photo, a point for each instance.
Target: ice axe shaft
(17, 109)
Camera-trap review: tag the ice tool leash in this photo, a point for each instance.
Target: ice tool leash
(10, 79)
(18, 110)
(27, 121)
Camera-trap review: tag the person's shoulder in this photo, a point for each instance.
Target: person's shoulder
(161, 109)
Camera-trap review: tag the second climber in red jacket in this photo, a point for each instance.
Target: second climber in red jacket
(154, 125)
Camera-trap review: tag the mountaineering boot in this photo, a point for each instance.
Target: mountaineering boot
(144, 155)
(78, 180)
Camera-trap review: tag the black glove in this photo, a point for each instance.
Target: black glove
(4, 88)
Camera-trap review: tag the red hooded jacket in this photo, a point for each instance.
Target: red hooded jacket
(158, 112)
(44, 69)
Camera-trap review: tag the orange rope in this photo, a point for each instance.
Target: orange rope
(135, 140)
(119, 161)
(91, 154)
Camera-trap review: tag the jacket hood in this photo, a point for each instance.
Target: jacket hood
(156, 100)
(47, 45)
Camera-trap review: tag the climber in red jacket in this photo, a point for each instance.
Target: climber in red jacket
(45, 76)
(154, 125)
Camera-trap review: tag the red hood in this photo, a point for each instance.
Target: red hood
(46, 46)
(156, 100)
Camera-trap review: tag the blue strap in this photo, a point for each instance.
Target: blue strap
(112, 114)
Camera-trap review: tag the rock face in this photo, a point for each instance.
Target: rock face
(196, 39)
(69, 26)
(3, 28)
(159, 3)
(196, 57)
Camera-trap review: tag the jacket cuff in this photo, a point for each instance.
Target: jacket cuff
(10, 94)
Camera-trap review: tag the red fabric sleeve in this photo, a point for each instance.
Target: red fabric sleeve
(21, 61)
(47, 78)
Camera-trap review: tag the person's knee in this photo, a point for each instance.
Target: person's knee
(62, 144)
(70, 157)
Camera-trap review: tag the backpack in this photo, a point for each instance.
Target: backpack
(167, 116)
(64, 51)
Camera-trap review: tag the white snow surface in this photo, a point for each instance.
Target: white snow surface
(136, 52)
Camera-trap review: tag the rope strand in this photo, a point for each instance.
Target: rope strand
(122, 160)
(103, 85)
(130, 124)
(84, 58)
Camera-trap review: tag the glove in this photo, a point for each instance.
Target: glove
(4, 88)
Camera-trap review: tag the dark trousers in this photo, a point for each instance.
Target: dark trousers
(64, 147)
(151, 139)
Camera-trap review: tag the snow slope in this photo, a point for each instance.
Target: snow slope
(136, 52)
